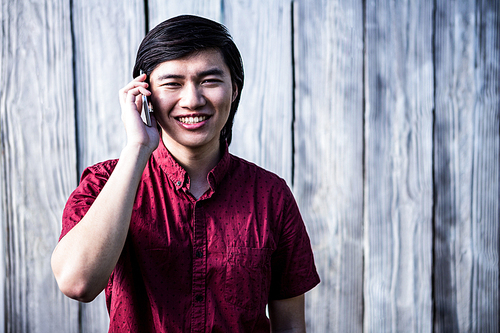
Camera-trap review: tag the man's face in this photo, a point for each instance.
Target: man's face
(192, 97)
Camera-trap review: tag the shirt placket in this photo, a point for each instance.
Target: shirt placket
(199, 270)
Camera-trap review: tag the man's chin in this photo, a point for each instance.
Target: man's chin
(192, 142)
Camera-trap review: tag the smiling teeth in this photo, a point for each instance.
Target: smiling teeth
(192, 120)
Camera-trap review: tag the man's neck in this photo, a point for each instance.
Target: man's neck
(197, 162)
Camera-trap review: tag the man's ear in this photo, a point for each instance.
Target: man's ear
(235, 92)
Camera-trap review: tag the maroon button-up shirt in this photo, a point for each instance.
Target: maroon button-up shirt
(207, 265)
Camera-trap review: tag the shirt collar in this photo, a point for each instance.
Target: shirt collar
(179, 177)
(218, 173)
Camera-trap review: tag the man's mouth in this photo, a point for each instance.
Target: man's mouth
(192, 120)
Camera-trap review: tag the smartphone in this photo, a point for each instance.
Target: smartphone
(145, 114)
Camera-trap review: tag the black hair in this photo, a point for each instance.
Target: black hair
(184, 35)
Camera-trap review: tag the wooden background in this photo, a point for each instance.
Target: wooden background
(382, 115)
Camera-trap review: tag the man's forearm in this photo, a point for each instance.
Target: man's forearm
(85, 257)
(287, 315)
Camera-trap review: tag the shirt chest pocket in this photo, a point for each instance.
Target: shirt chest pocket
(248, 276)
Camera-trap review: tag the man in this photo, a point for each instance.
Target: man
(181, 235)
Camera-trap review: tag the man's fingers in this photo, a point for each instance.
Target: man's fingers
(133, 93)
(130, 95)
(132, 86)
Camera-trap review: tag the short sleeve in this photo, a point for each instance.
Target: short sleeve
(293, 268)
(91, 183)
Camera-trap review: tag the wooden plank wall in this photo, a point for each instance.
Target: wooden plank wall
(383, 116)
(466, 167)
(38, 161)
(398, 163)
(328, 175)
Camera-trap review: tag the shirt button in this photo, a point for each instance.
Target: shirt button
(199, 254)
(199, 298)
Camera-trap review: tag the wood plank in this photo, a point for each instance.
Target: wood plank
(466, 169)
(485, 233)
(328, 178)
(453, 168)
(160, 10)
(38, 160)
(262, 131)
(398, 165)
(3, 172)
(3, 184)
(106, 38)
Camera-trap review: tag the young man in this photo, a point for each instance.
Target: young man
(181, 235)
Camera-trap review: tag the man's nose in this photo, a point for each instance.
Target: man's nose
(192, 97)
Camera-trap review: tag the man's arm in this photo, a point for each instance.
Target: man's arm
(287, 315)
(85, 257)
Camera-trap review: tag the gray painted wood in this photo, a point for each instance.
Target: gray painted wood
(3, 212)
(38, 161)
(398, 165)
(466, 167)
(328, 178)
(453, 169)
(160, 11)
(106, 38)
(485, 209)
(402, 204)
(262, 126)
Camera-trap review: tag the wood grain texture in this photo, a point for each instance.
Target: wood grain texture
(453, 164)
(3, 169)
(466, 167)
(38, 160)
(398, 165)
(160, 11)
(485, 208)
(401, 204)
(3, 214)
(262, 126)
(328, 178)
(106, 38)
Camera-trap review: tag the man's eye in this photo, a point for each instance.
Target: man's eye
(210, 81)
(171, 84)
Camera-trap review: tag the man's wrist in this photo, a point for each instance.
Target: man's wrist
(138, 153)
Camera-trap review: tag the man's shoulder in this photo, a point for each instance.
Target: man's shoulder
(100, 169)
(253, 172)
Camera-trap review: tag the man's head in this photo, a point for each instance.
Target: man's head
(185, 35)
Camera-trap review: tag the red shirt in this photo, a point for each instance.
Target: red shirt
(207, 265)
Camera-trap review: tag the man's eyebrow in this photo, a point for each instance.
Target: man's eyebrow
(162, 77)
(212, 71)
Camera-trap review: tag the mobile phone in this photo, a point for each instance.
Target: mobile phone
(145, 114)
